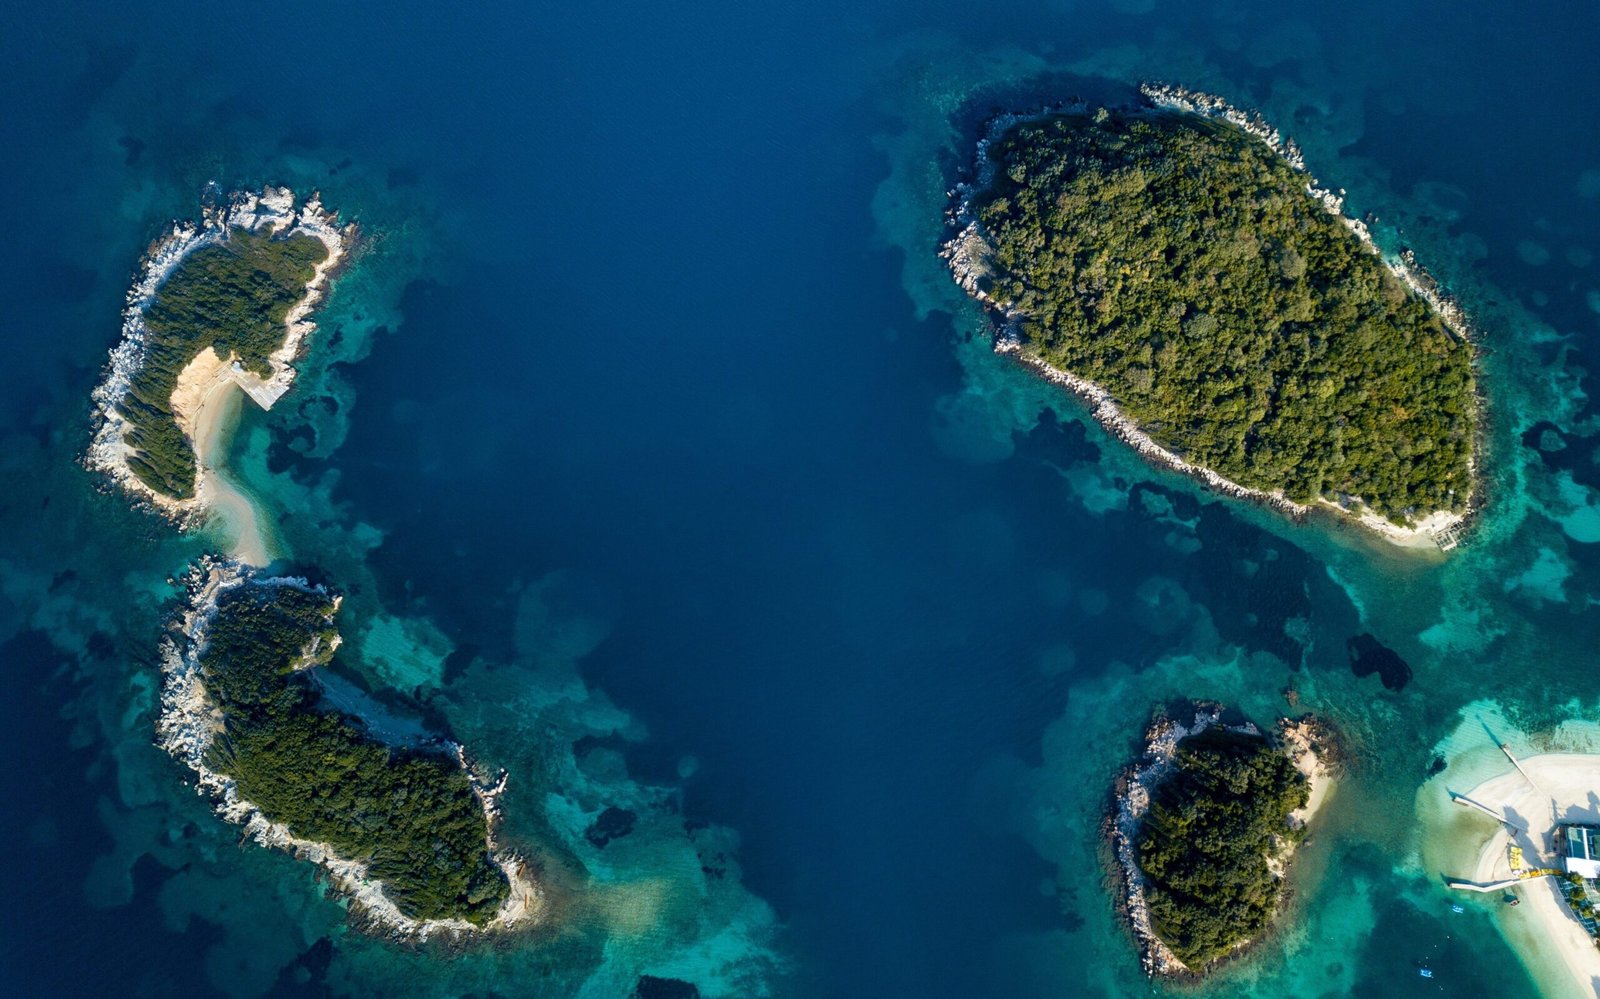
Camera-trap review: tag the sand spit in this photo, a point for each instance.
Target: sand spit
(198, 401)
(967, 252)
(190, 721)
(1304, 740)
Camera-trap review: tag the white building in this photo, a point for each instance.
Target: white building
(1582, 850)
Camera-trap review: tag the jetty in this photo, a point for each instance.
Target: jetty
(1462, 884)
(1448, 536)
(1462, 799)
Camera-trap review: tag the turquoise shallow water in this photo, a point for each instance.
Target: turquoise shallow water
(659, 463)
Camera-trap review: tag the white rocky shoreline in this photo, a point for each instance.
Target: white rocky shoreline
(189, 722)
(1303, 740)
(965, 253)
(273, 210)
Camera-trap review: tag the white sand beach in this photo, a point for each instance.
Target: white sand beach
(206, 406)
(1564, 787)
(1300, 738)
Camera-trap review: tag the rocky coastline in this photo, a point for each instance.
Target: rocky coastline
(1307, 742)
(190, 721)
(272, 211)
(965, 254)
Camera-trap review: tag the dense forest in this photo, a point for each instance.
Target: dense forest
(1204, 843)
(232, 296)
(1183, 266)
(409, 813)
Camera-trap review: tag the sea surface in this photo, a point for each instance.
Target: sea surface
(662, 464)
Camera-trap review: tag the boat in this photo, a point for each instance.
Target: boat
(1457, 908)
(1426, 972)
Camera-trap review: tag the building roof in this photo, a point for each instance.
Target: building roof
(1583, 868)
(1583, 850)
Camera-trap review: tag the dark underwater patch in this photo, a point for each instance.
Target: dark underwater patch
(651, 987)
(1369, 656)
(613, 823)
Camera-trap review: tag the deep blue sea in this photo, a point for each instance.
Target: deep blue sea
(662, 464)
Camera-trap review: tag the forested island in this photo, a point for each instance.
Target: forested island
(1203, 830)
(406, 831)
(1173, 264)
(231, 297)
(220, 305)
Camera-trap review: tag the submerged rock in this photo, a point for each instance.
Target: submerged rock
(613, 823)
(651, 987)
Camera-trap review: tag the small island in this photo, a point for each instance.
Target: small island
(406, 831)
(220, 305)
(1203, 830)
(1174, 265)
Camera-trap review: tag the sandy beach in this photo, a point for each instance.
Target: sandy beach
(206, 405)
(1300, 739)
(1565, 787)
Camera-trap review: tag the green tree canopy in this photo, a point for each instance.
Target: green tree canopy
(409, 813)
(232, 296)
(1204, 843)
(1183, 266)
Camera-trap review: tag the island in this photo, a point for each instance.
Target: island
(1173, 264)
(220, 305)
(1202, 831)
(405, 831)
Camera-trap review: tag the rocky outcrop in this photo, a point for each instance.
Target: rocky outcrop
(1134, 787)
